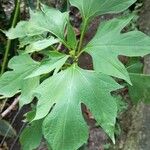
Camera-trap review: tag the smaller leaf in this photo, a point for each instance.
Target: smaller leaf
(28, 40)
(31, 136)
(140, 91)
(41, 21)
(27, 90)
(13, 81)
(71, 37)
(30, 115)
(22, 62)
(40, 45)
(54, 62)
(6, 129)
(135, 68)
(121, 104)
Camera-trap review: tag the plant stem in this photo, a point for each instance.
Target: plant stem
(82, 36)
(65, 44)
(67, 5)
(38, 4)
(8, 45)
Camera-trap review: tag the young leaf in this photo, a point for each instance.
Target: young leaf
(71, 37)
(28, 40)
(6, 129)
(47, 20)
(54, 62)
(13, 81)
(40, 45)
(31, 136)
(108, 43)
(65, 122)
(92, 8)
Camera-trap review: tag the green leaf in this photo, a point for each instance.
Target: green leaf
(108, 43)
(71, 37)
(30, 115)
(40, 45)
(47, 20)
(140, 91)
(136, 68)
(28, 40)
(13, 81)
(54, 62)
(6, 129)
(64, 127)
(27, 90)
(31, 136)
(92, 8)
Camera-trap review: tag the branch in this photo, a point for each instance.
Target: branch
(10, 108)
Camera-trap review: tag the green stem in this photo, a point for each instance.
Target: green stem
(79, 54)
(65, 44)
(82, 36)
(8, 45)
(38, 4)
(67, 5)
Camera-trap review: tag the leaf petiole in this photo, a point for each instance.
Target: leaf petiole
(82, 35)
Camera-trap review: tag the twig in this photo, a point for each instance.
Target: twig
(10, 108)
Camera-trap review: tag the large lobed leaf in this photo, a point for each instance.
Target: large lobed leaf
(25, 75)
(64, 127)
(108, 43)
(47, 20)
(92, 8)
(13, 81)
